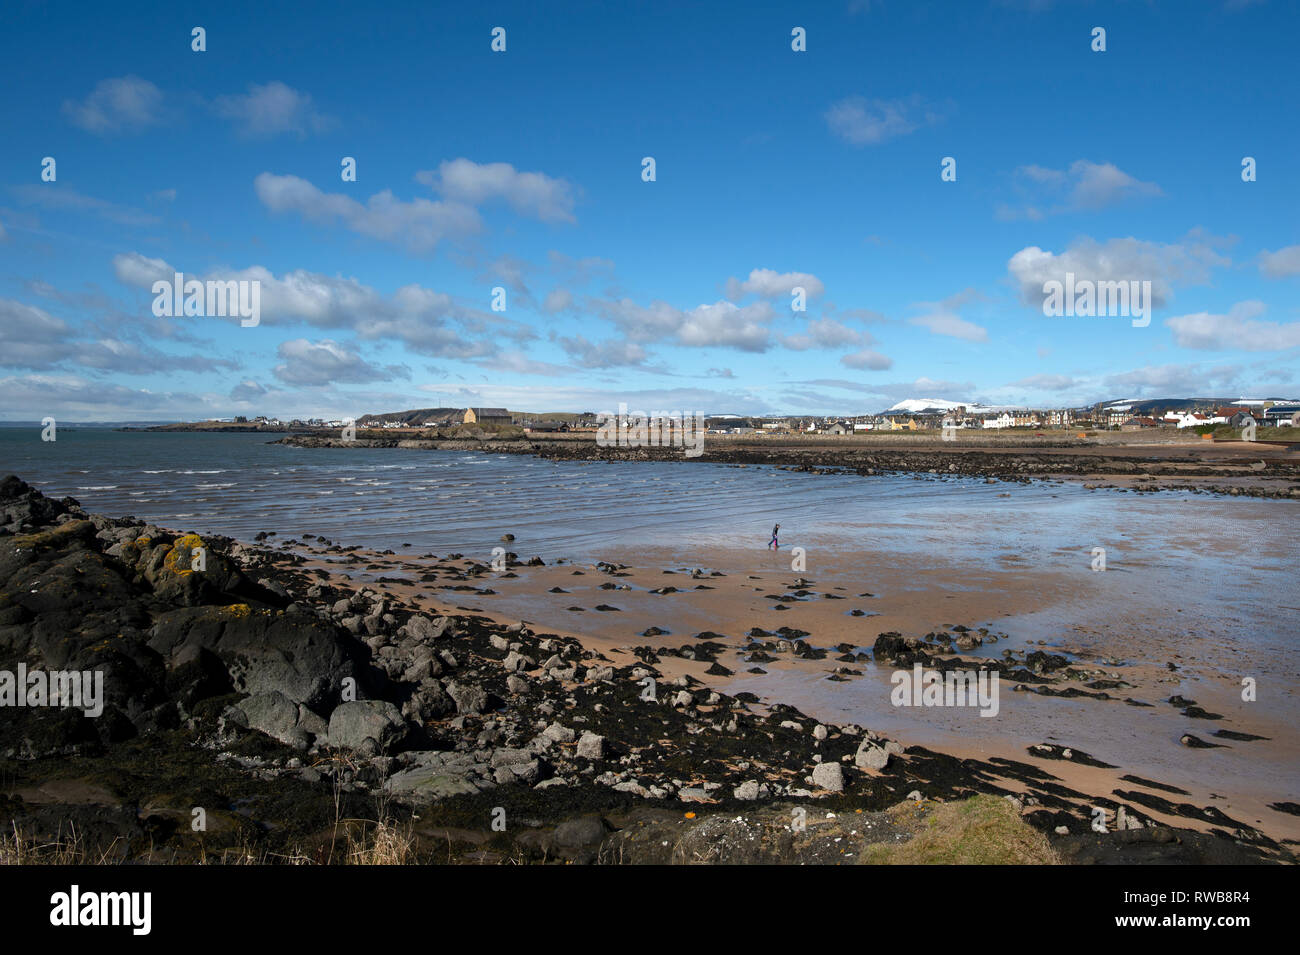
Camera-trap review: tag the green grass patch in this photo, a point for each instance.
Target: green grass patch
(982, 830)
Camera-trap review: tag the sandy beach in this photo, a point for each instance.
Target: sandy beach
(1142, 658)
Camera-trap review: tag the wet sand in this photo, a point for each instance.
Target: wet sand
(1108, 625)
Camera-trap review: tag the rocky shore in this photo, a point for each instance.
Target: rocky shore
(299, 718)
(1241, 469)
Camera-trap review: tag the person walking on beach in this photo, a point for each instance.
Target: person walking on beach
(772, 544)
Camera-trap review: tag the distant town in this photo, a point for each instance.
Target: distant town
(909, 415)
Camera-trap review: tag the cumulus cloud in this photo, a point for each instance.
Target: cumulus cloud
(1284, 263)
(863, 121)
(123, 104)
(724, 324)
(425, 320)
(36, 340)
(942, 322)
(867, 360)
(271, 109)
(826, 333)
(1096, 185)
(531, 194)
(114, 354)
(605, 354)
(248, 390)
(769, 284)
(329, 362)
(132, 268)
(1238, 329)
(1083, 186)
(1115, 260)
(419, 225)
(721, 324)
(33, 338)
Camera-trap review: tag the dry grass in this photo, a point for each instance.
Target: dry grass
(982, 830)
(383, 843)
(16, 848)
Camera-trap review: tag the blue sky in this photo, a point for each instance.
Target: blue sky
(522, 170)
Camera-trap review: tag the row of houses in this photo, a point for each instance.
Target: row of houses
(932, 419)
(1234, 416)
(1121, 416)
(1118, 416)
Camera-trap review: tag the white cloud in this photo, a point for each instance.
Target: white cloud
(248, 390)
(722, 324)
(123, 104)
(419, 225)
(1085, 185)
(1096, 185)
(329, 362)
(140, 271)
(952, 325)
(1284, 263)
(826, 333)
(1126, 259)
(33, 338)
(36, 340)
(867, 360)
(271, 109)
(863, 121)
(1239, 329)
(769, 284)
(425, 320)
(532, 194)
(606, 354)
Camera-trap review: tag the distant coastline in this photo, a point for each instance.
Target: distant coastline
(1254, 469)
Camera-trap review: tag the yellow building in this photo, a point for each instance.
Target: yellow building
(487, 416)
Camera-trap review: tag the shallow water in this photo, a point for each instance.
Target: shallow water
(1215, 573)
(1233, 561)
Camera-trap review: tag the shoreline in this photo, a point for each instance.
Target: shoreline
(1096, 671)
(1253, 469)
(462, 712)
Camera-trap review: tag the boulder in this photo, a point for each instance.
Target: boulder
(828, 776)
(303, 657)
(591, 746)
(372, 726)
